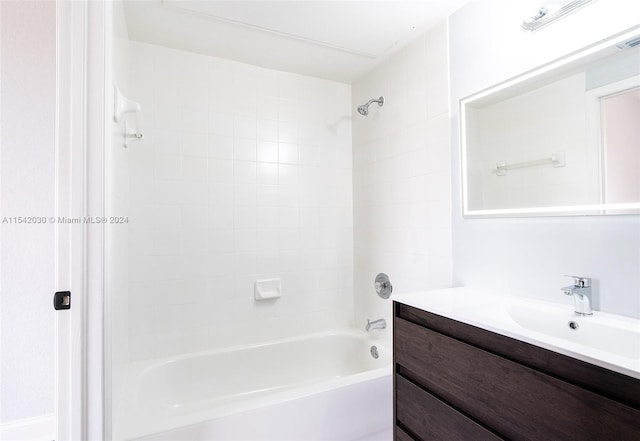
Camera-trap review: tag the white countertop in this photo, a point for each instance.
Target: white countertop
(607, 340)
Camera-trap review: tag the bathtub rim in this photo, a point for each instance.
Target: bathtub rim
(146, 365)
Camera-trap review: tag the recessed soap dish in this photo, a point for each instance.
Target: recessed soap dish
(266, 289)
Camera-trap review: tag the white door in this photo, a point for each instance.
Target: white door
(77, 377)
(41, 368)
(28, 195)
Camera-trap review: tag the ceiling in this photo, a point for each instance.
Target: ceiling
(336, 40)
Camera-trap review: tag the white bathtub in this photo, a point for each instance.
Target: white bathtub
(316, 387)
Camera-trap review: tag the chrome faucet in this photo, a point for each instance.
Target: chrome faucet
(581, 292)
(376, 324)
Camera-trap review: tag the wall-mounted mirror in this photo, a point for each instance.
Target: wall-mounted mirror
(563, 139)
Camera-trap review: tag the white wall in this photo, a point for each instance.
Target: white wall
(530, 256)
(27, 182)
(244, 173)
(402, 176)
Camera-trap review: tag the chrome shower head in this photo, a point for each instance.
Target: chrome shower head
(364, 109)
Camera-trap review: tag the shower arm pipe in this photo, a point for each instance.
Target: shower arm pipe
(380, 101)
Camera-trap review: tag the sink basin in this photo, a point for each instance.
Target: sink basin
(616, 335)
(607, 340)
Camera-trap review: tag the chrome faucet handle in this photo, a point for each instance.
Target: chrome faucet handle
(383, 286)
(581, 292)
(580, 282)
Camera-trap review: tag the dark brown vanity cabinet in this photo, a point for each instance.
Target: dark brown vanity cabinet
(454, 381)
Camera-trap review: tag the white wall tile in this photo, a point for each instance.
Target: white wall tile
(220, 195)
(221, 124)
(193, 241)
(194, 144)
(219, 188)
(167, 192)
(195, 120)
(143, 346)
(244, 172)
(164, 217)
(167, 116)
(245, 239)
(221, 217)
(169, 96)
(220, 171)
(167, 142)
(267, 129)
(194, 216)
(288, 196)
(193, 191)
(194, 167)
(245, 216)
(220, 146)
(267, 151)
(267, 195)
(288, 174)
(164, 242)
(245, 194)
(245, 127)
(268, 217)
(244, 149)
(402, 198)
(288, 153)
(165, 318)
(167, 166)
(309, 154)
(267, 173)
(267, 107)
(287, 131)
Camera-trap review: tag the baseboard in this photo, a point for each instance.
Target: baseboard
(41, 428)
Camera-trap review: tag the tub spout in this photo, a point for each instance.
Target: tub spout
(376, 324)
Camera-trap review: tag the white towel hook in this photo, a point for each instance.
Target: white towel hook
(124, 106)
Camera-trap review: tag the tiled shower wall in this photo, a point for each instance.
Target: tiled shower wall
(244, 173)
(402, 176)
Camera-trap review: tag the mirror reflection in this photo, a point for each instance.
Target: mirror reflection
(563, 140)
(621, 134)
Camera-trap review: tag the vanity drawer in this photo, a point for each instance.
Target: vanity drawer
(610, 384)
(401, 435)
(514, 400)
(431, 419)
